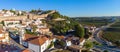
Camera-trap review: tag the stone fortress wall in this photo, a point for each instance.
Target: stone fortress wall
(25, 17)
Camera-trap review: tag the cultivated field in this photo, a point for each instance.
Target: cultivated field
(113, 33)
(93, 21)
(112, 36)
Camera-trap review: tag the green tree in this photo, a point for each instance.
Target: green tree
(39, 10)
(62, 51)
(88, 44)
(49, 46)
(34, 27)
(85, 51)
(60, 43)
(117, 43)
(48, 11)
(79, 31)
(96, 43)
(4, 10)
(32, 33)
(35, 11)
(55, 15)
(105, 51)
(13, 11)
(61, 27)
(87, 33)
(3, 23)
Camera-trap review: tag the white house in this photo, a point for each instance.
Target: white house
(82, 41)
(38, 21)
(8, 13)
(4, 37)
(11, 23)
(68, 43)
(36, 43)
(91, 28)
(43, 30)
(20, 12)
(40, 44)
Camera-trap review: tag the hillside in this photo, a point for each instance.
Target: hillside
(60, 24)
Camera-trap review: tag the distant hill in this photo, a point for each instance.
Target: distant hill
(97, 17)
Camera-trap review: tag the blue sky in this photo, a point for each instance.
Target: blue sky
(68, 7)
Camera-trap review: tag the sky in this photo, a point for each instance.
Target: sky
(72, 8)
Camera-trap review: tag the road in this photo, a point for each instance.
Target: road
(105, 44)
(12, 41)
(16, 44)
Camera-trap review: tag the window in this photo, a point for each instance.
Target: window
(42, 47)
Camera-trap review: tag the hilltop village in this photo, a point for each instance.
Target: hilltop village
(42, 31)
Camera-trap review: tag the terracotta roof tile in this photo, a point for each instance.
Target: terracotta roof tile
(2, 38)
(81, 39)
(39, 41)
(60, 37)
(26, 50)
(44, 29)
(29, 36)
(23, 24)
(68, 38)
(1, 31)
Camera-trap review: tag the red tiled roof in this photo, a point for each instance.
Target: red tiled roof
(69, 38)
(23, 24)
(29, 36)
(81, 39)
(39, 41)
(26, 50)
(1, 14)
(2, 38)
(60, 37)
(1, 31)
